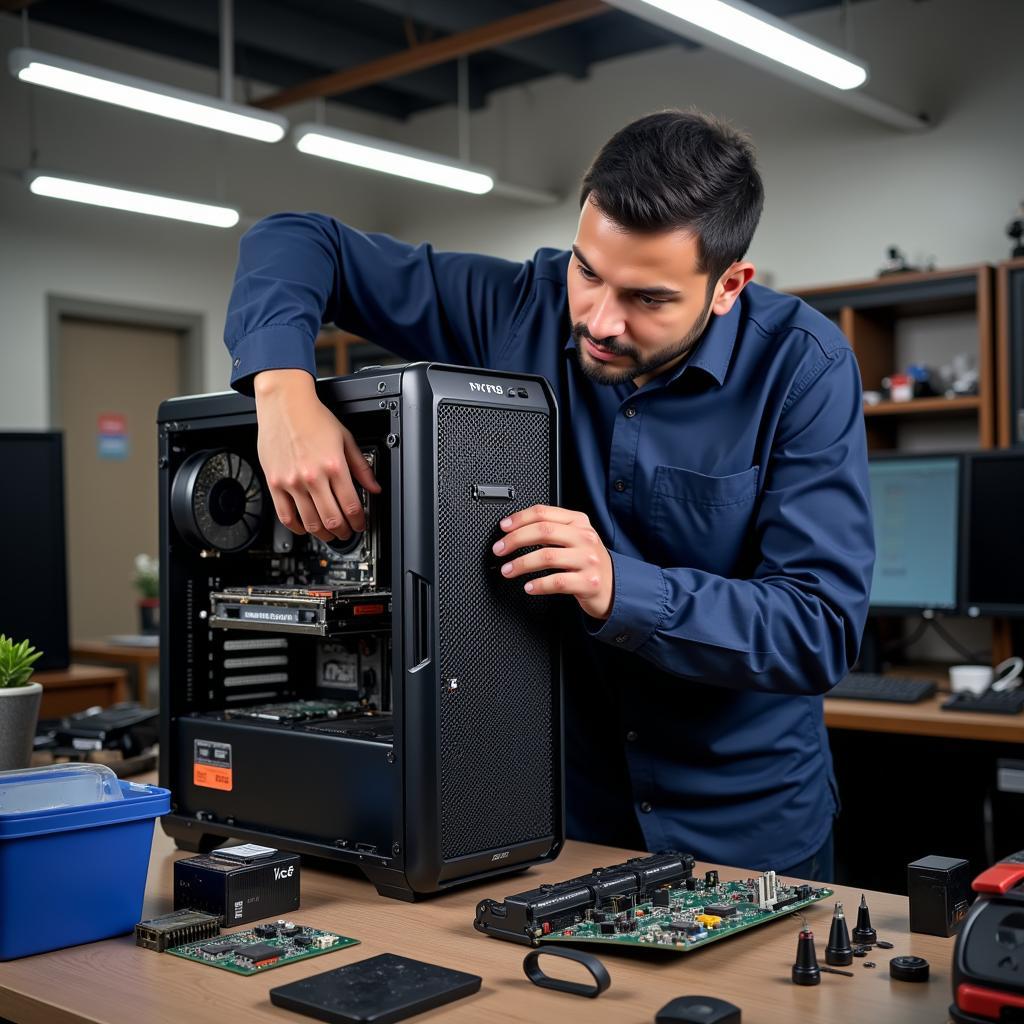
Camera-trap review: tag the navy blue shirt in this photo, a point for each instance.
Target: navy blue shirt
(732, 493)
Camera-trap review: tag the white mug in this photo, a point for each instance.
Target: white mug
(970, 678)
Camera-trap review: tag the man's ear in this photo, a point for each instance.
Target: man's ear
(729, 286)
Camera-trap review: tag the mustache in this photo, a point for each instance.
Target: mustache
(581, 331)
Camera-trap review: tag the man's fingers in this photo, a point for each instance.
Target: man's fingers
(358, 466)
(333, 522)
(576, 583)
(285, 510)
(546, 532)
(545, 513)
(545, 558)
(349, 502)
(309, 516)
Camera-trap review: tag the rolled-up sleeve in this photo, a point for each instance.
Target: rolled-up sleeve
(793, 626)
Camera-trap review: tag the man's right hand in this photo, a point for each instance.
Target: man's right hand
(309, 459)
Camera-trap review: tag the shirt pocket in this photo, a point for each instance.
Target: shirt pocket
(701, 521)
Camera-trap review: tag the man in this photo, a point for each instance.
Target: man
(716, 536)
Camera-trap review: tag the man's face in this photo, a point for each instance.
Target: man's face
(637, 302)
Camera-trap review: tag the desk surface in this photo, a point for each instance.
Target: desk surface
(116, 982)
(926, 718)
(99, 650)
(77, 675)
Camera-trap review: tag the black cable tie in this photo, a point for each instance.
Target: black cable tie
(577, 988)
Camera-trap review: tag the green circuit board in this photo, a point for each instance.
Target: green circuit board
(262, 948)
(681, 919)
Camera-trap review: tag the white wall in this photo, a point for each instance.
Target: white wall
(839, 187)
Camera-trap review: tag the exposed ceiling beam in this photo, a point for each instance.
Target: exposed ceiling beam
(313, 41)
(428, 55)
(550, 54)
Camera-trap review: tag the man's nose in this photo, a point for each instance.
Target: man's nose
(606, 319)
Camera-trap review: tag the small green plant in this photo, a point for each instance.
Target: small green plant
(16, 661)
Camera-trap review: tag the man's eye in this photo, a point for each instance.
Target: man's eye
(586, 272)
(646, 300)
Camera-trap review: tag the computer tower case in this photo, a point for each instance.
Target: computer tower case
(392, 702)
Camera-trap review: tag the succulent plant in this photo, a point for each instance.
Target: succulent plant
(16, 661)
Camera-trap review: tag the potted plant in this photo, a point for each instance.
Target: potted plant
(19, 703)
(147, 583)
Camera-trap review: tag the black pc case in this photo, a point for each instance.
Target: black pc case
(394, 703)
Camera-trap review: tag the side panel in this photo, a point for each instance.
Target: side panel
(483, 701)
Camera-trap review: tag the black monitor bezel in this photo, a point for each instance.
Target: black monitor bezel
(59, 659)
(957, 607)
(973, 609)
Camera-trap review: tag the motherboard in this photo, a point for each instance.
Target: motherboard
(684, 919)
(258, 949)
(646, 902)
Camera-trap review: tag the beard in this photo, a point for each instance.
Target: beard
(642, 366)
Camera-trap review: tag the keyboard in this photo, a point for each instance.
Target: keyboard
(1009, 702)
(894, 689)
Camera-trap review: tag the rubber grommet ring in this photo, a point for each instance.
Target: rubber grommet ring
(908, 968)
(577, 988)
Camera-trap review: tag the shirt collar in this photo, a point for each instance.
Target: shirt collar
(714, 350)
(712, 354)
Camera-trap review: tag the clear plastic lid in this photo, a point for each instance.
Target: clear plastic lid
(58, 785)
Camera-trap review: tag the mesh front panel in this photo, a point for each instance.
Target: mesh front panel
(497, 756)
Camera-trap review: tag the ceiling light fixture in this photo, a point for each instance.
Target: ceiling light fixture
(744, 25)
(97, 83)
(78, 190)
(390, 158)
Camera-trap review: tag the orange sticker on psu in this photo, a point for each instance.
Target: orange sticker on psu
(211, 767)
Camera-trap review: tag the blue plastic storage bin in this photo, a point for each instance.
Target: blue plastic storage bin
(75, 874)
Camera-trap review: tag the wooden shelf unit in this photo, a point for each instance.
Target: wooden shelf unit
(966, 406)
(1010, 351)
(868, 312)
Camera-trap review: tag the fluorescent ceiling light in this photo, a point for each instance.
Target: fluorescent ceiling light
(149, 97)
(390, 158)
(75, 189)
(745, 25)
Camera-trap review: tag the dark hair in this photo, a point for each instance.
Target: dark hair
(681, 169)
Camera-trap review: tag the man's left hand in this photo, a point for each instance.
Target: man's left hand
(567, 543)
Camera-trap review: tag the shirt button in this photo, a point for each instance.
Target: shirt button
(632, 736)
(646, 807)
(622, 638)
(630, 412)
(238, 363)
(619, 485)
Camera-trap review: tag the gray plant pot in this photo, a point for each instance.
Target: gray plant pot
(19, 711)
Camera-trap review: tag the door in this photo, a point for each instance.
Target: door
(110, 378)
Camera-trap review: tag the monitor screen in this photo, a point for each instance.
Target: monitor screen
(916, 506)
(994, 543)
(33, 593)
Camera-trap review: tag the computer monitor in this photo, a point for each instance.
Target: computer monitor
(993, 536)
(915, 501)
(33, 573)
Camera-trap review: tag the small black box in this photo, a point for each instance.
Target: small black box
(241, 887)
(940, 894)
